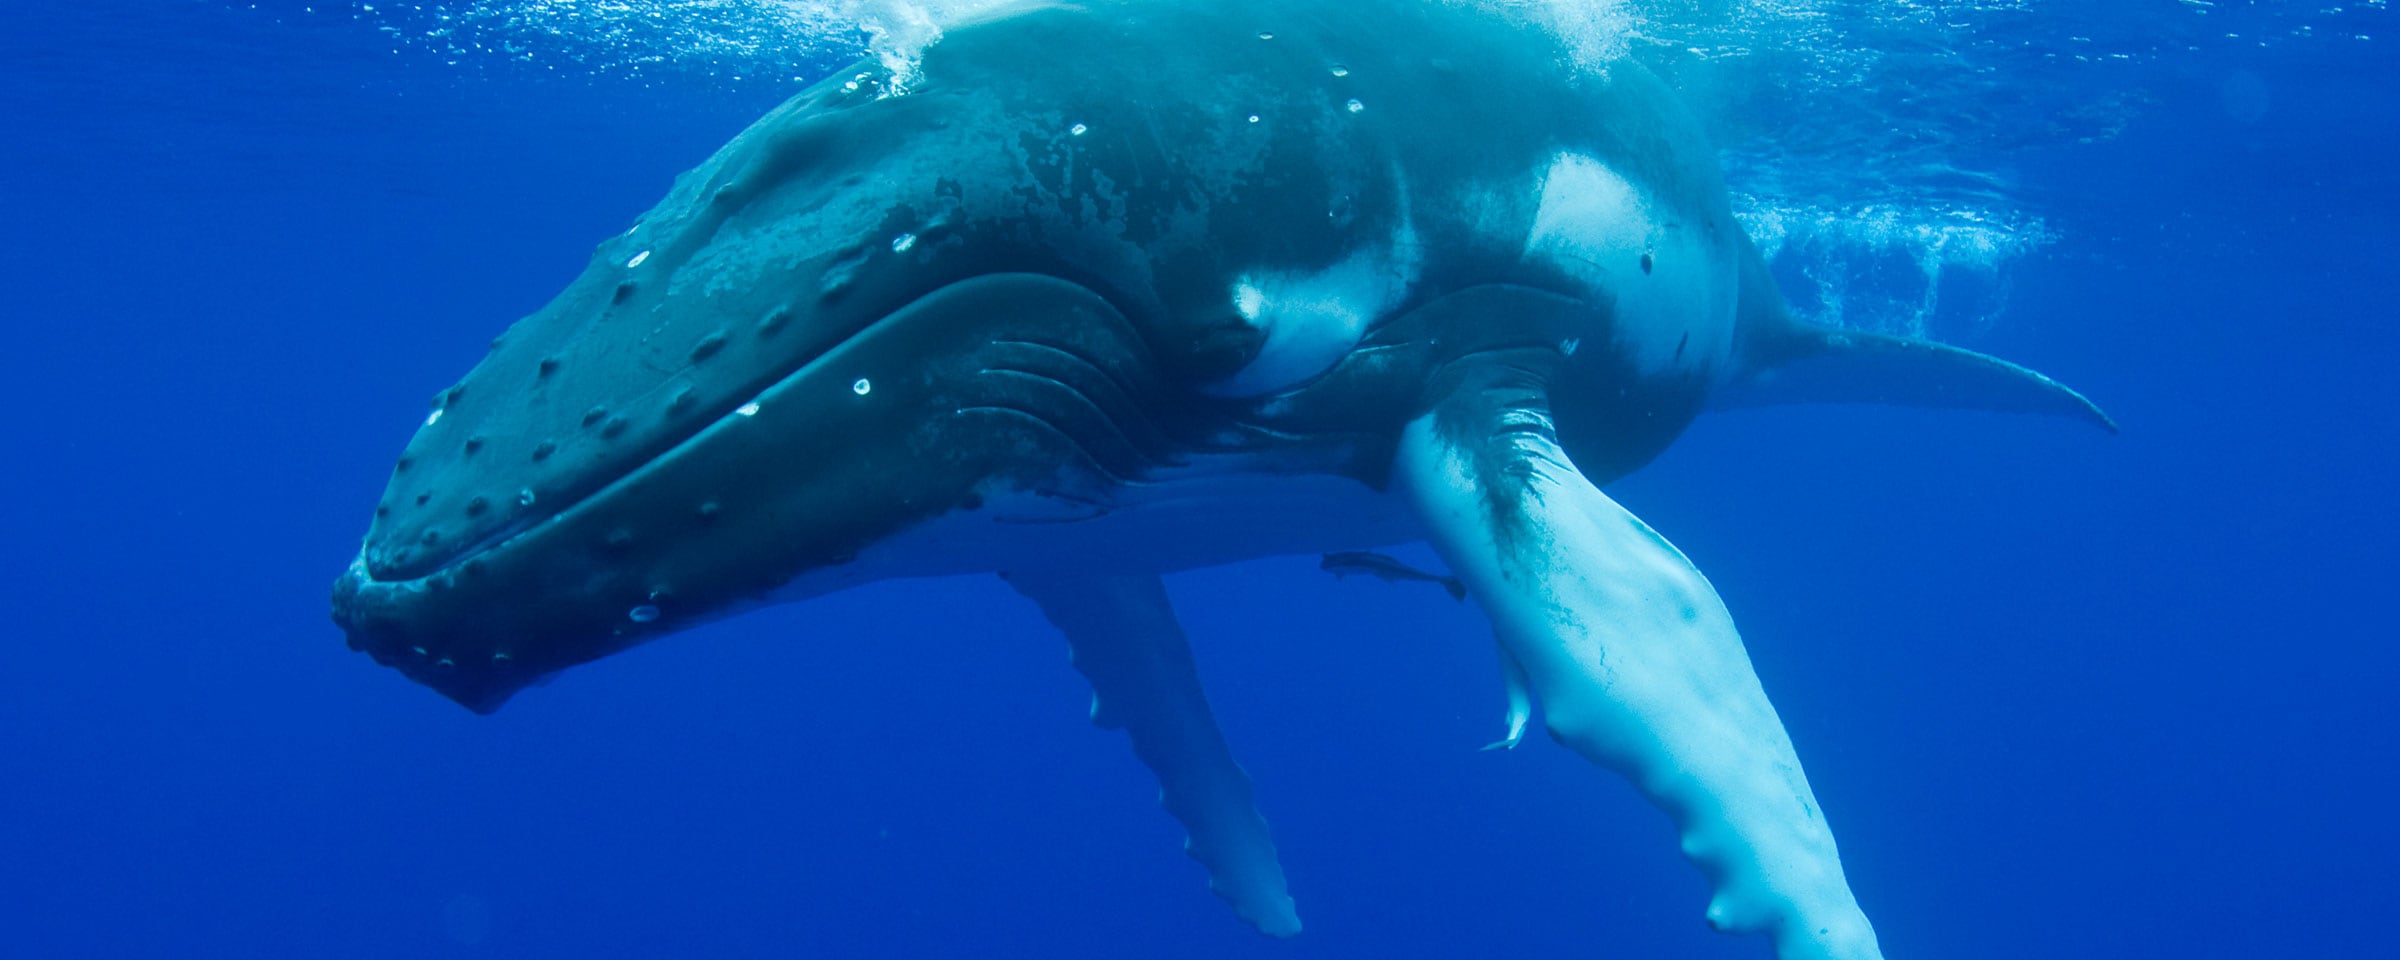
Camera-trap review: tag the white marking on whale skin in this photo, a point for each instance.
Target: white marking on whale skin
(1674, 314)
(1519, 691)
(1313, 319)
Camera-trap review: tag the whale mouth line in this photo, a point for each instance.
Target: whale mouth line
(534, 521)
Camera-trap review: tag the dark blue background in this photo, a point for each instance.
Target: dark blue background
(2063, 694)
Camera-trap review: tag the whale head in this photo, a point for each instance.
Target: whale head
(787, 360)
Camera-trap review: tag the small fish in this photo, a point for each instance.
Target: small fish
(1378, 565)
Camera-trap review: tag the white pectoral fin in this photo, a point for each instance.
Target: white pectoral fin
(1127, 642)
(1636, 663)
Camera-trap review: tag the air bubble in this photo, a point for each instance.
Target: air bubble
(1264, 35)
(1355, 106)
(645, 613)
(637, 259)
(747, 410)
(861, 387)
(1340, 70)
(430, 418)
(525, 497)
(1077, 130)
(904, 243)
(1254, 118)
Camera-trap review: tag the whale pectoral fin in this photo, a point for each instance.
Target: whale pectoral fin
(1782, 359)
(1635, 660)
(1802, 363)
(1126, 641)
(1520, 700)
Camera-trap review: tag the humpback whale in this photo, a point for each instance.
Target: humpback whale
(1103, 291)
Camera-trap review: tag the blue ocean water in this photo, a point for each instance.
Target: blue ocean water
(2061, 694)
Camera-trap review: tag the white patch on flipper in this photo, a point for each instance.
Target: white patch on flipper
(1520, 701)
(1638, 668)
(1597, 227)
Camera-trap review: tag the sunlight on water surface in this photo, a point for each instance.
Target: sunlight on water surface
(1870, 143)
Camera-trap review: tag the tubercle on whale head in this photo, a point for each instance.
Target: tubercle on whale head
(914, 418)
(674, 323)
(580, 490)
(680, 538)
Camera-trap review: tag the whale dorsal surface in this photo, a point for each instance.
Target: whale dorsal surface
(1121, 288)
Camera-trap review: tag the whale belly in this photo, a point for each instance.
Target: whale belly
(1159, 526)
